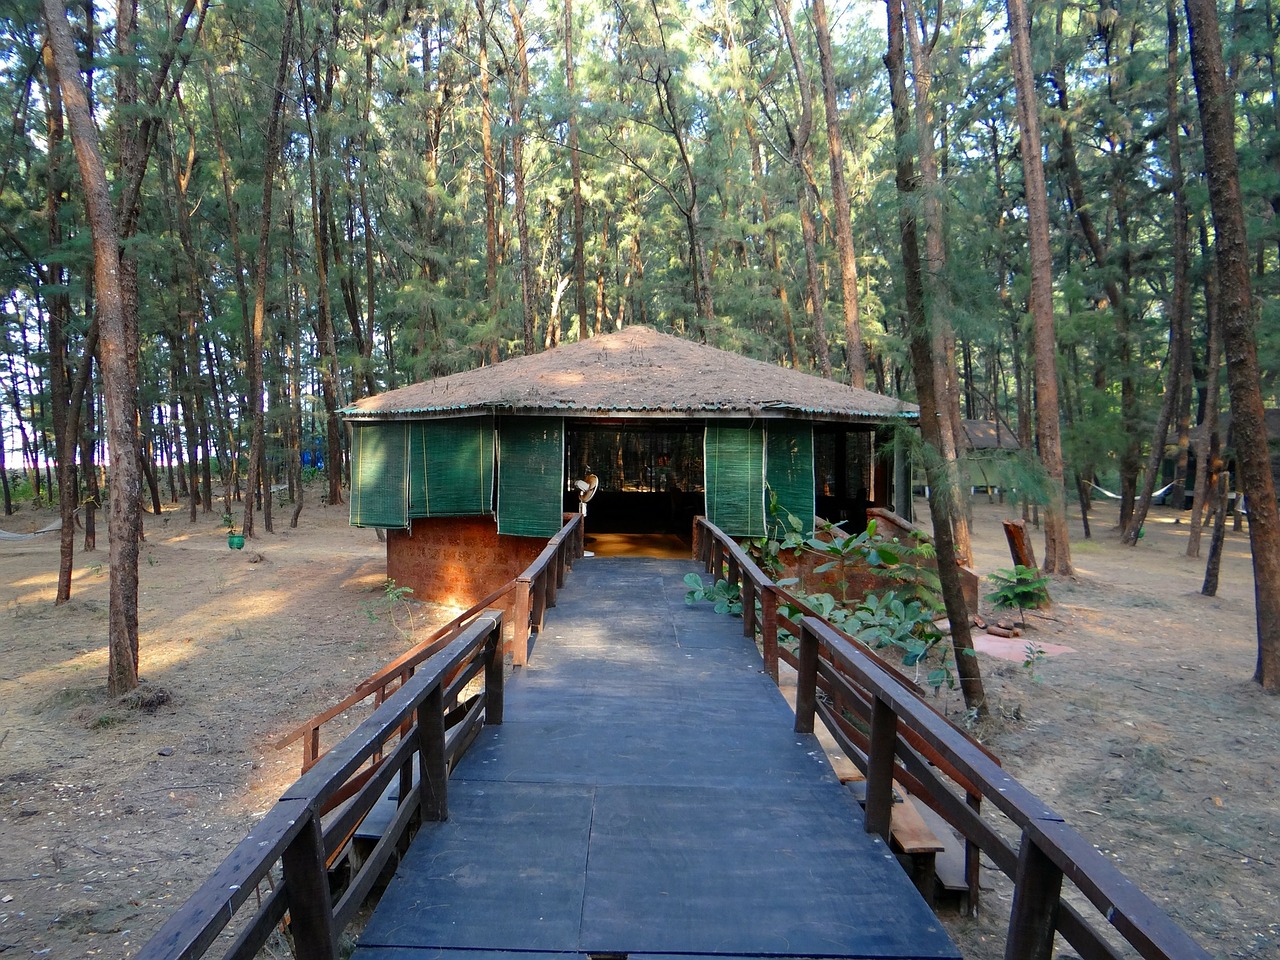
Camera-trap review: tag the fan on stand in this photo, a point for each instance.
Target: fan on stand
(586, 488)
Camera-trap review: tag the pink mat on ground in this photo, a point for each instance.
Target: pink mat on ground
(1015, 648)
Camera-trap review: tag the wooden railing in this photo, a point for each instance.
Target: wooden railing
(529, 595)
(419, 711)
(289, 850)
(891, 733)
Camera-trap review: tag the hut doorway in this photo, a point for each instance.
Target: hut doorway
(650, 482)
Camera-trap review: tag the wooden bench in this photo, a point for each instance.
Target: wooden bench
(910, 837)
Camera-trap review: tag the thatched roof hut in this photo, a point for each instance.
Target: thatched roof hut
(671, 429)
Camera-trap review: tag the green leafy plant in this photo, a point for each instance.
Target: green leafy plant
(907, 625)
(1022, 588)
(1032, 656)
(394, 597)
(726, 596)
(902, 618)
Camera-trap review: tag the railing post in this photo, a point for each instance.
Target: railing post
(880, 753)
(748, 596)
(520, 653)
(541, 589)
(1036, 892)
(311, 749)
(494, 676)
(433, 764)
(769, 631)
(806, 681)
(307, 889)
(973, 859)
(734, 573)
(559, 566)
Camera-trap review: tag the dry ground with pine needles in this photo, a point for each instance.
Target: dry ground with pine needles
(1150, 739)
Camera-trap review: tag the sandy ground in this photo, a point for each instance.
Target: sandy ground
(1150, 739)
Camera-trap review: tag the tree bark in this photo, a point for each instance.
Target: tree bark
(575, 174)
(922, 363)
(1207, 450)
(855, 353)
(261, 271)
(118, 374)
(1057, 545)
(1179, 321)
(937, 297)
(519, 94)
(802, 161)
(1217, 120)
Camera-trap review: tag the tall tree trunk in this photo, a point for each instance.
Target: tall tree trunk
(261, 272)
(519, 94)
(1179, 319)
(575, 174)
(118, 374)
(922, 363)
(855, 354)
(802, 161)
(1248, 423)
(1207, 449)
(66, 393)
(1057, 545)
(937, 297)
(489, 172)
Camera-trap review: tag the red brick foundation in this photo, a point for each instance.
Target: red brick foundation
(457, 560)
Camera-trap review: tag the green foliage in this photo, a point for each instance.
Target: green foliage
(1022, 588)
(394, 601)
(906, 625)
(901, 619)
(726, 596)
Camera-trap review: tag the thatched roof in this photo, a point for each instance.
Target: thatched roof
(637, 372)
(988, 435)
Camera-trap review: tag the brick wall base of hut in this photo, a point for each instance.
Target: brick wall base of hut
(457, 560)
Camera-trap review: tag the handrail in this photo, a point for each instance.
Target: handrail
(293, 836)
(910, 741)
(534, 593)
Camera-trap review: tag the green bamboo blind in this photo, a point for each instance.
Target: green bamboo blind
(734, 464)
(789, 473)
(451, 467)
(530, 476)
(380, 475)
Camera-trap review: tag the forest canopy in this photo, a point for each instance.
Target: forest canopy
(317, 202)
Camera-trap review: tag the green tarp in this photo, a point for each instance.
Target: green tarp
(530, 476)
(380, 474)
(789, 473)
(734, 464)
(451, 467)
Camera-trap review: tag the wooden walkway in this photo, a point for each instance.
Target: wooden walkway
(647, 796)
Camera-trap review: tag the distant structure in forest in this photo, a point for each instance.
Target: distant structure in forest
(471, 473)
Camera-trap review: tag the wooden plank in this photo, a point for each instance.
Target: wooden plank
(910, 834)
(1140, 921)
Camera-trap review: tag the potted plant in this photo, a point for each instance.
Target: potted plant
(235, 541)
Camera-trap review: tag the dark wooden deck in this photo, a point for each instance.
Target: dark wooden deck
(646, 795)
